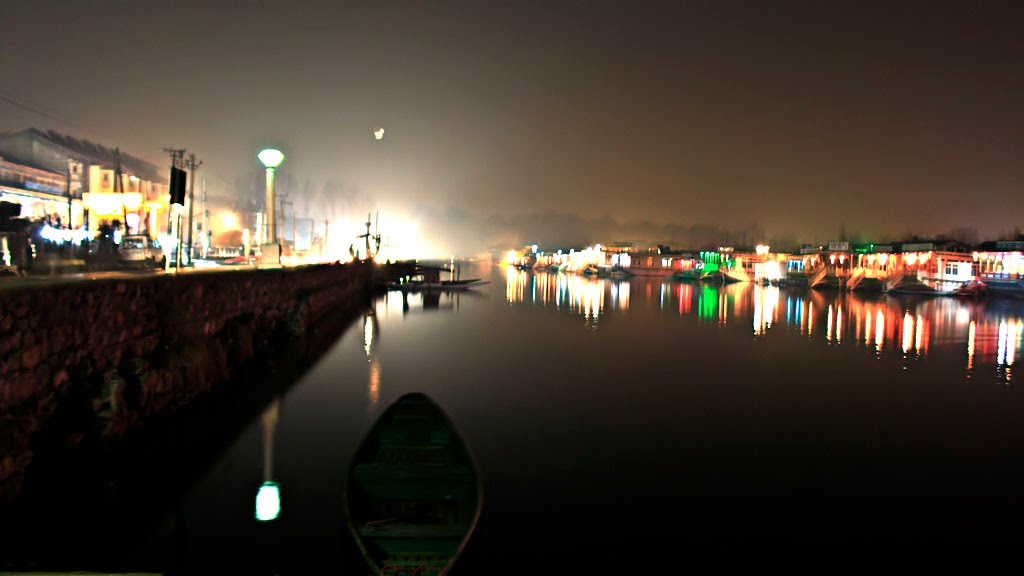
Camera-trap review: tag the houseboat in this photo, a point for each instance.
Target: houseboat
(794, 272)
(999, 265)
(872, 266)
(690, 270)
(760, 266)
(828, 268)
(846, 266)
(658, 263)
(921, 267)
(721, 267)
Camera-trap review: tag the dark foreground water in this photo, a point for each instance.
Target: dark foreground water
(649, 426)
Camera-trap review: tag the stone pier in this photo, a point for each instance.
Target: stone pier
(85, 363)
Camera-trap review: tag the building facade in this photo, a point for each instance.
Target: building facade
(56, 169)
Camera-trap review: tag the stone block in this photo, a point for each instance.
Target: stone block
(31, 356)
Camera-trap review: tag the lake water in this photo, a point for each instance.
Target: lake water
(642, 424)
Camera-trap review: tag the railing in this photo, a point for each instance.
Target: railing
(817, 276)
(855, 278)
(1001, 276)
(894, 280)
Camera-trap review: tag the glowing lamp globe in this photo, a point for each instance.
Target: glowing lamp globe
(271, 158)
(268, 502)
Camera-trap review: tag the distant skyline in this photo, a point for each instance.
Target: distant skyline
(790, 117)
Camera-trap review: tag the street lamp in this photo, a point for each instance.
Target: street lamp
(271, 250)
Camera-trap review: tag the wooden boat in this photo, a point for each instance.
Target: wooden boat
(619, 272)
(441, 285)
(688, 275)
(414, 494)
(718, 277)
(974, 288)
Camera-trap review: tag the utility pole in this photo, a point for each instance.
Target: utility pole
(70, 227)
(286, 201)
(119, 187)
(176, 162)
(279, 219)
(206, 221)
(192, 164)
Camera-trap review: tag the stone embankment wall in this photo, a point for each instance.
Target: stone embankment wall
(87, 362)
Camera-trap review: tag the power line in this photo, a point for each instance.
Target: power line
(177, 154)
(34, 110)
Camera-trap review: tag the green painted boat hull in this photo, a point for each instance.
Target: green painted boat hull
(414, 495)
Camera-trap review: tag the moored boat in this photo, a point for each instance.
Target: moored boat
(439, 285)
(718, 276)
(689, 275)
(619, 272)
(974, 289)
(414, 494)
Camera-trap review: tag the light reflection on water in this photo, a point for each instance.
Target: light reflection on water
(987, 332)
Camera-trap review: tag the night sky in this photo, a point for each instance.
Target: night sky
(781, 118)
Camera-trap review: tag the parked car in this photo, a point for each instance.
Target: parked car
(140, 251)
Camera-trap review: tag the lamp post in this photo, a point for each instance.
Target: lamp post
(270, 253)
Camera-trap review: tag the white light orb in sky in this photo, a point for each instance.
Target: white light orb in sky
(378, 133)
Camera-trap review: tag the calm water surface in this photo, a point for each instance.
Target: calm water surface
(651, 425)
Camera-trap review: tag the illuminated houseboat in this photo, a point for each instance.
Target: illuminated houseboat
(690, 270)
(923, 267)
(721, 267)
(794, 272)
(999, 265)
(657, 262)
(760, 266)
(846, 266)
(828, 268)
(872, 266)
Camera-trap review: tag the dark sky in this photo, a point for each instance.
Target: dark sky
(893, 117)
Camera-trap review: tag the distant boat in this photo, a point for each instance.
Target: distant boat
(688, 275)
(619, 272)
(974, 288)
(418, 285)
(414, 495)
(719, 277)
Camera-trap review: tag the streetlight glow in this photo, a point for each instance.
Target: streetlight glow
(271, 157)
(268, 502)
